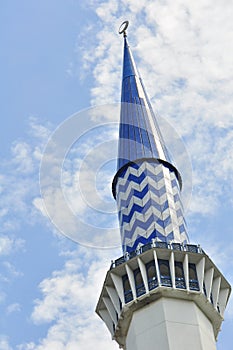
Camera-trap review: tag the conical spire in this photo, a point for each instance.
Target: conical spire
(147, 184)
(140, 136)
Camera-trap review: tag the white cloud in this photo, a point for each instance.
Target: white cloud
(19, 179)
(186, 67)
(76, 197)
(12, 270)
(4, 343)
(68, 302)
(10, 244)
(12, 308)
(21, 152)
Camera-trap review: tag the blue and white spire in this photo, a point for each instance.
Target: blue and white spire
(150, 289)
(147, 185)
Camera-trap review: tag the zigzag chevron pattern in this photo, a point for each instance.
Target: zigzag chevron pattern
(149, 204)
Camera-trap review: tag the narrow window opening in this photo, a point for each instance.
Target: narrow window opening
(151, 275)
(179, 275)
(127, 289)
(193, 281)
(140, 288)
(165, 274)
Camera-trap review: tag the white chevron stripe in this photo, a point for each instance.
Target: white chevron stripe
(160, 200)
(169, 229)
(179, 237)
(142, 202)
(183, 236)
(140, 232)
(138, 228)
(181, 221)
(128, 182)
(135, 186)
(142, 217)
(156, 184)
(146, 233)
(149, 195)
(156, 169)
(168, 212)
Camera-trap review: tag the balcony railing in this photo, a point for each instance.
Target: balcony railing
(162, 245)
(180, 283)
(140, 290)
(166, 281)
(128, 296)
(194, 285)
(153, 283)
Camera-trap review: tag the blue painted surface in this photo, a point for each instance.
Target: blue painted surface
(149, 203)
(149, 206)
(140, 136)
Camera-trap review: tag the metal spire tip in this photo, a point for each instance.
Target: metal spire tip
(123, 27)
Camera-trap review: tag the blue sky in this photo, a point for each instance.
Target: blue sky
(57, 59)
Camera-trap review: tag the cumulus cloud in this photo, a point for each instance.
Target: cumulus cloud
(4, 343)
(68, 301)
(12, 308)
(19, 184)
(187, 70)
(186, 67)
(74, 167)
(19, 180)
(9, 245)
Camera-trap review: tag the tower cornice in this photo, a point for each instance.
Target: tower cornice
(210, 291)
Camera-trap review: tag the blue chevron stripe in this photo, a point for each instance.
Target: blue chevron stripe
(136, 209)
(133, 193)
(143, 240)
(175, 183)
(146, 224)
(179, 213)
(141, 195)
(146, 171)
(150, 188)
(137, 166)
(143, 210)
(182, 228)
(138, 179)
(124, 170)
(142, 224)
(160, 203)
(154, 162)
(160, 192)
(165, 222)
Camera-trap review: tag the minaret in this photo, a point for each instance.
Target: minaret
(163, 293)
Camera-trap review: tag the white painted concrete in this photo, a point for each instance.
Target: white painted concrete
(165, 317)
(169, 324)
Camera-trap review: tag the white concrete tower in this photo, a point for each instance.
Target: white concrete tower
(163, 293)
